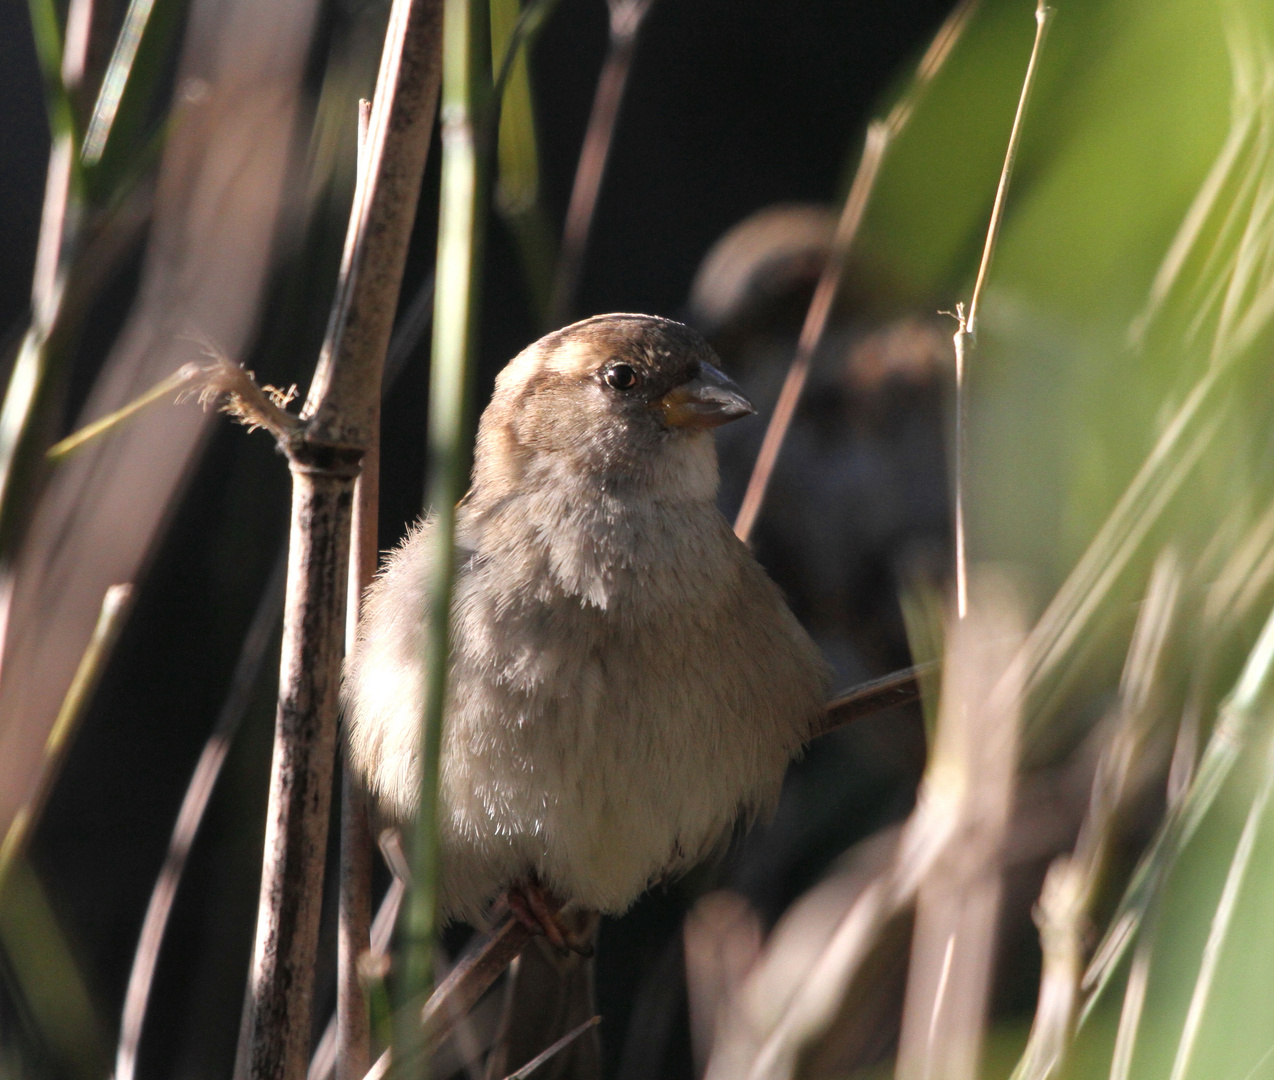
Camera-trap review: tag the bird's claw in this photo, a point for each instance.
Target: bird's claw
(539, 911)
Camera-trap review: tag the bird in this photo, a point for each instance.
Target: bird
(625, 682)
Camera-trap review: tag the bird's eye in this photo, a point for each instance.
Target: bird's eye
(620, 377)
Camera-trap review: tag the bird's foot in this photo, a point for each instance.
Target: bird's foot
(541, 912)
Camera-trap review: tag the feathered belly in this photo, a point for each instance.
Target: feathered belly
(606, 726)
(601, 765)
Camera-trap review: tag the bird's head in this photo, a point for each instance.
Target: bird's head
(624, 400)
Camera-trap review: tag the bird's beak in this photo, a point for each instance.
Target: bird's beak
(708, 400)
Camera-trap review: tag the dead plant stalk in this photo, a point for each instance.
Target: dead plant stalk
(353, 927)
(324, 452)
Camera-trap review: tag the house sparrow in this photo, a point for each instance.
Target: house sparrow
(625, 680)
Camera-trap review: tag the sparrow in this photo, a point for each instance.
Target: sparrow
(625, 681)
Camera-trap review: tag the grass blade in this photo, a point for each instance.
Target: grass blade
(466, 90)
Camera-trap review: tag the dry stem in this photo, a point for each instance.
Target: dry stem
(352, 1047)
(971, 777)
(1071, 888)
(338, 425)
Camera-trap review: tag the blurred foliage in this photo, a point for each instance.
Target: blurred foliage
(1131, 109)
(1125, 356)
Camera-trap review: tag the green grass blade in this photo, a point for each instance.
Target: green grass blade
(466, 90)
(47, 31)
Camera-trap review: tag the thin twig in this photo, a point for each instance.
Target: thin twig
(880, 136)
(965, 335)
(221, 383)
(626, 18)
(812, 330)
(175, 382)
(552, 1051)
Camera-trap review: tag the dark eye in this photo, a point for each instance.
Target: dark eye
(620, 377)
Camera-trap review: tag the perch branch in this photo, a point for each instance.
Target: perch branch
(204, 778)
(888, 692)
